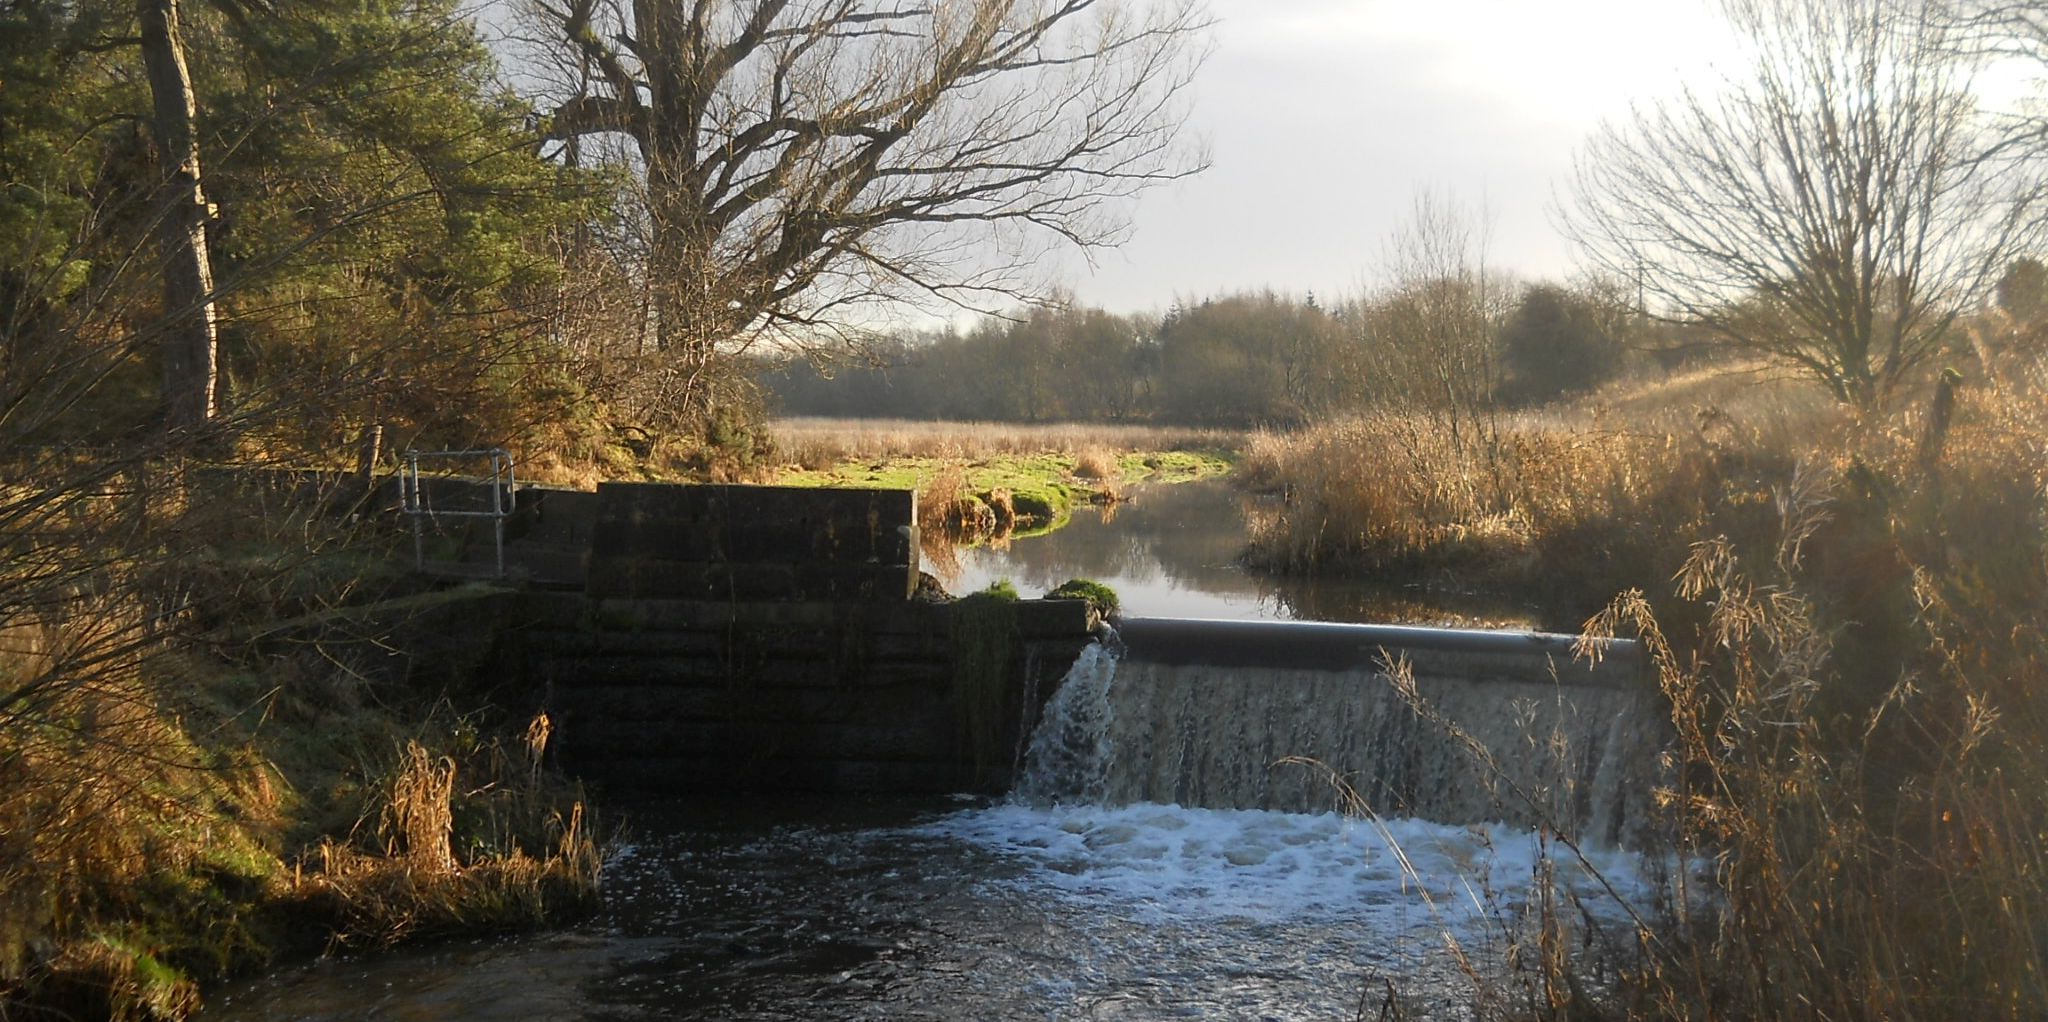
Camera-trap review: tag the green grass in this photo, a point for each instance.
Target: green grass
(1175, 466)
(1042, 486)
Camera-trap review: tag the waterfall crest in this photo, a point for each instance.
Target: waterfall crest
(1521, 741)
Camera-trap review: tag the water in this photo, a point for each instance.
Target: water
(1159, 863)
(931, 910)
(1578, 758)
(1172, 550)
(1086, 899)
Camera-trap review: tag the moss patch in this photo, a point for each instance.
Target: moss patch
(1175, 466)
(1101, 598)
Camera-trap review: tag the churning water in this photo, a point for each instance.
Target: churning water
(1090, 895)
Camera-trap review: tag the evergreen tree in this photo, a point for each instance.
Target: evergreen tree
(383, 232)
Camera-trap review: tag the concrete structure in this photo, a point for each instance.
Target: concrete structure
(810, 695)
(765, 638)
(752, 542)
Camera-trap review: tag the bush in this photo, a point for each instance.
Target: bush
(1855, 668)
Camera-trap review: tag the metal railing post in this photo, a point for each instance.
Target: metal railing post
(413, 501)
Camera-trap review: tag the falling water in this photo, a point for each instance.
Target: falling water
(1454, 735)
(1162, 856)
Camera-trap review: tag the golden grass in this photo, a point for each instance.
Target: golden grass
(818, 442)
(418, 884)
(1554, 512)
(1747, 392)
(161, 769)
(1845, 617)
(1096, 463)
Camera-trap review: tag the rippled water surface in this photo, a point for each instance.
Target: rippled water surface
(923, 910)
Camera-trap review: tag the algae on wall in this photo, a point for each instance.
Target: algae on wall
(984, 639)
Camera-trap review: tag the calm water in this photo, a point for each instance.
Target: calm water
(1173, 551)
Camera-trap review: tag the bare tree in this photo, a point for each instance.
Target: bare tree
(1830, 213)
(802, 158)
(2013, 32)
(1429, 345)
(1434, 327)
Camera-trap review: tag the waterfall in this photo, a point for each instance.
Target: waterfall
(1271, 715)
(1070, 751)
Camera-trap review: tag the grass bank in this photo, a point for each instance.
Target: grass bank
(227, 738)
(1846, 619)
(979, 479)
(1560, 508)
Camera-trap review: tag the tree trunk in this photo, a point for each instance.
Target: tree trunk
(190, 350)
(692, 314)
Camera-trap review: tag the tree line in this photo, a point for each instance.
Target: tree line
(1234, 360)
(312, 220)
(296, 223)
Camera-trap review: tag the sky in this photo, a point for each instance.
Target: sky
(1326, 118)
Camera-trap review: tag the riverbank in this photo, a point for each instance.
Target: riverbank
(978, 480)
(301, 761)
(1845, 617)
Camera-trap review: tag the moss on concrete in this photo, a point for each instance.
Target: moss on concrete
(1101, 598)
(984, 639)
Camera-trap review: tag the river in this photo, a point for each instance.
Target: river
(1173, 550)
(849, 908)
(893, 909)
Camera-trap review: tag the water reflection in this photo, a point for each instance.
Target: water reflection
(1172, 550)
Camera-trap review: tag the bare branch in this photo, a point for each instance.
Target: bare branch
(1833, 211)
(803, 158)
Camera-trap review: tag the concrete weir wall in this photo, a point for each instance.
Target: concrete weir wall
(723, 637)
(753, 542)
(806, 695)
(766, 638)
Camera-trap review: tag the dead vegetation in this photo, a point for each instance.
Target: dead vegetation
(1851, 648)
(220, 743)
(820, 443)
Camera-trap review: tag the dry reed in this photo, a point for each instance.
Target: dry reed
(815, 442)
(524, 862)
(1854, 667)
(185, 696)
(1096, 463)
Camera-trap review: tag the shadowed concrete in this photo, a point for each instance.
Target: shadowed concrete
(1519, 656)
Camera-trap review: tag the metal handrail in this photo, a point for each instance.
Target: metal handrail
(413, 502)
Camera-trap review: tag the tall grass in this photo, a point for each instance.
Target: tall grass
(503, 855)
(201, 724)
(1846, 620)
(1563, 515)
(817, 443)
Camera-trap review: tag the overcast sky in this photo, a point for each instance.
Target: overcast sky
(1326, 117)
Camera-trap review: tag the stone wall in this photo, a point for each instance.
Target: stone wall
(805, 695)
(717, 637)
(752, 542)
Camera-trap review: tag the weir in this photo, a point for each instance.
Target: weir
(1458, 727)
(763, 638)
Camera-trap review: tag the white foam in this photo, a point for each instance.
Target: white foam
(1165, 863)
